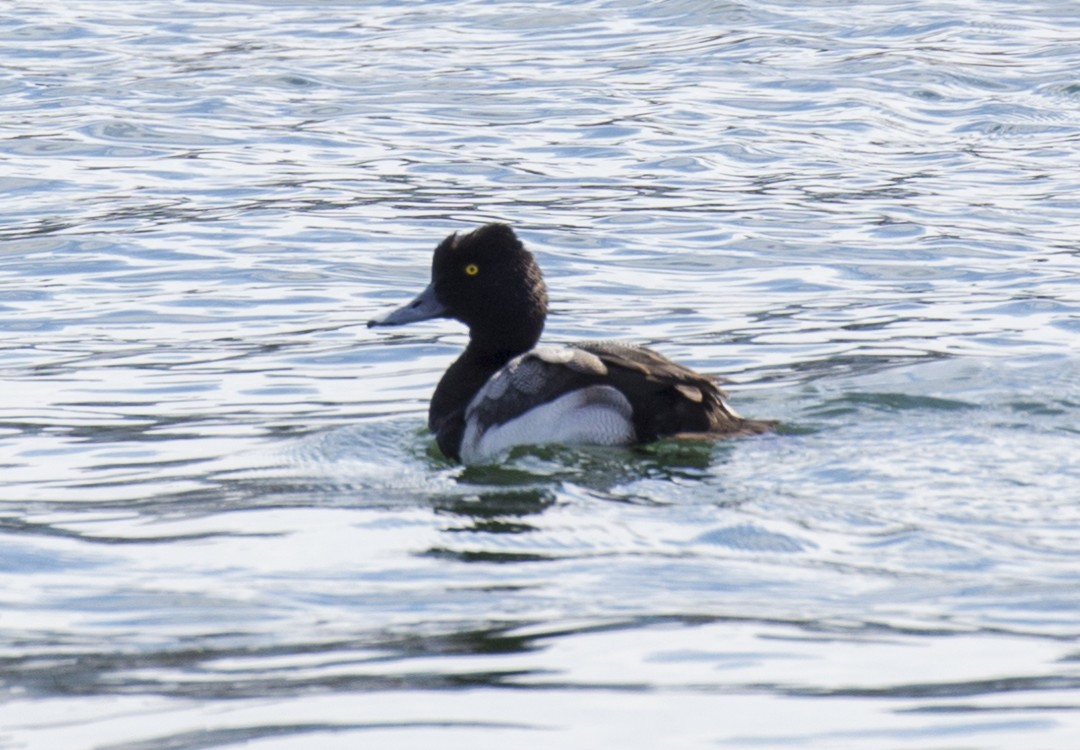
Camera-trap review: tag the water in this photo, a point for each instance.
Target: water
(222, 523)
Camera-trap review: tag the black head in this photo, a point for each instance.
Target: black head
(488, 281)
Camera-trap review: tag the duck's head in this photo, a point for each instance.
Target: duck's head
(488, 281)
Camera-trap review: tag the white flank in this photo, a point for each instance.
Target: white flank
(597, 415)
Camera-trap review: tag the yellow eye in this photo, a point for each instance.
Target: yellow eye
(472, 269)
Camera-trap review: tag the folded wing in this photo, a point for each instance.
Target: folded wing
(654, 397)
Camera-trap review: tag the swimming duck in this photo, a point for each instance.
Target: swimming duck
(505, 391)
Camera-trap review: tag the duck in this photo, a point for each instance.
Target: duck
(505, 390)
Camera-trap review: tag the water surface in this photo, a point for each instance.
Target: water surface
(222, 522)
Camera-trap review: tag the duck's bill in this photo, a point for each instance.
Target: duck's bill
(424, 307)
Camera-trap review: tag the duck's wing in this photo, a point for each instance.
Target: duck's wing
(656, 396)
(536, 377)
(669, 399)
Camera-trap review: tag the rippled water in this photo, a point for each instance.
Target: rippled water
(222, 522)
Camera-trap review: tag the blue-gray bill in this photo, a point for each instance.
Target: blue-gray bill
(424, 307)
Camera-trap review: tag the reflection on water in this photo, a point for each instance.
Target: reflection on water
(223, 522)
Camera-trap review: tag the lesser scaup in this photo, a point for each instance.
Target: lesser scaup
(503, 392)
